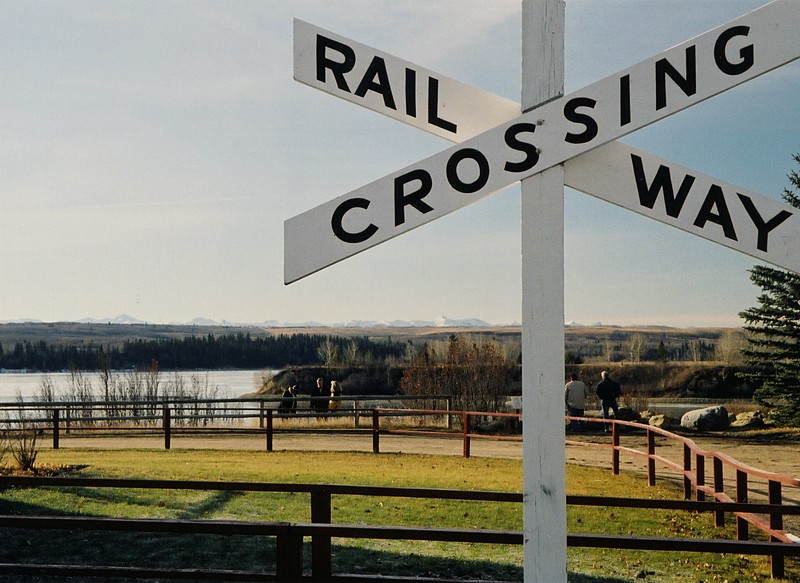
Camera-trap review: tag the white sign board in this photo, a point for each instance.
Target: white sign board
(747, 222)
(396, 88)
(709, 208)
(547, 136)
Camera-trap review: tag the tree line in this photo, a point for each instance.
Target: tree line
(235, 351)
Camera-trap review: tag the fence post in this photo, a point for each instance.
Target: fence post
(719, 488)
(289, 556)
(687, 468)
(614, 448)
(776, 523)
(466, 434)
(269, 429)
(355, 414)
(321, 545)
(742, 526)
(167, 427)
(55, 428)
(701, 476)
(261, 414)
(449, 417)
(651, 462)
(376, 432)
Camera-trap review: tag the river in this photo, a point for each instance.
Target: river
(217, 383)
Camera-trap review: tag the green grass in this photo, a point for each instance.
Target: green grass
(355, 556)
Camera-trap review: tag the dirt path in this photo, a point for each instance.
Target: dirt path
(764, 453)
(772, 455)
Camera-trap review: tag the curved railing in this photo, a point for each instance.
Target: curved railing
(693, 475)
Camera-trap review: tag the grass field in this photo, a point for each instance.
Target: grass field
(387, 557)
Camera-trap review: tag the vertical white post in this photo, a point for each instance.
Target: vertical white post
(544, 457)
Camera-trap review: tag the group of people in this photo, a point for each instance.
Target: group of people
(319, 400)
(576, 393)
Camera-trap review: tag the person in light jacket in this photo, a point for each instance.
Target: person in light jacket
(336, 391)
(575, 393)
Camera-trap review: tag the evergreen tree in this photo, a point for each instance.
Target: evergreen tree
(774, 325)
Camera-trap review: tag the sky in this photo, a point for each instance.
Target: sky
(151, 151)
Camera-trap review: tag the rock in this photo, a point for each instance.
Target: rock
(660, 421)
(708, 419)
(749, 420)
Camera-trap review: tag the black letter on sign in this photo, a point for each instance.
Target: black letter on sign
(763, 228)
(624, 100)
(411, 92)
(338, 216)
(572, 115)
(716, 198)
(662, 182)
(377, 68)
(433, 107)
(531, 155)
(688, 84)
(746, 53)
(401, 200)
(452, 170)
(338, 69)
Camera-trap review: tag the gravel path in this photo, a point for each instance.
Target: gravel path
(766, 454)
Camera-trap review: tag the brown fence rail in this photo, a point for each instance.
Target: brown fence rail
(289, 536)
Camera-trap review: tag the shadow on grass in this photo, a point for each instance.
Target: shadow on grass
(583, 578)
(236, 552)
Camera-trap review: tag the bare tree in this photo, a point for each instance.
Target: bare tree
(695, 350)
(730, 345)
(351, 353)
(104, 372)
(46, 393)
(474, 375)
(636, 347)
(328, 352)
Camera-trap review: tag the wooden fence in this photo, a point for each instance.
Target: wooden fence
(289, 536)
(743, 504)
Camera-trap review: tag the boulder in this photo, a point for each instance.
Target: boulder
(660, 421)
(708, 419)
(749, 420)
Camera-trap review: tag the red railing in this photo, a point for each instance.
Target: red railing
(694, 480)
(769, 522)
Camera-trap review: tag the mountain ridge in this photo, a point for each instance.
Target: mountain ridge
(439, 322)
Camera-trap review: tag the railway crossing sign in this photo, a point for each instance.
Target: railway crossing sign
(558, 140)
(753, 224)
(512, 150)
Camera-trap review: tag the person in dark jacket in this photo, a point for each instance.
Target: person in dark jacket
(288, 402)
(319, 397)
(608, 391)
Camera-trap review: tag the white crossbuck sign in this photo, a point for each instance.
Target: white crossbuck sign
(498, 146)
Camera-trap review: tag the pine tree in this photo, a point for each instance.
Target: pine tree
(773, 350)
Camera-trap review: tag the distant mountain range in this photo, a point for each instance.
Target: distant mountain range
(440, 322)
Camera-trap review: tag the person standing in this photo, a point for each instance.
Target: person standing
(334, 404)
(575, 393)
(287, 401)
(608, 391)
(319, 400)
